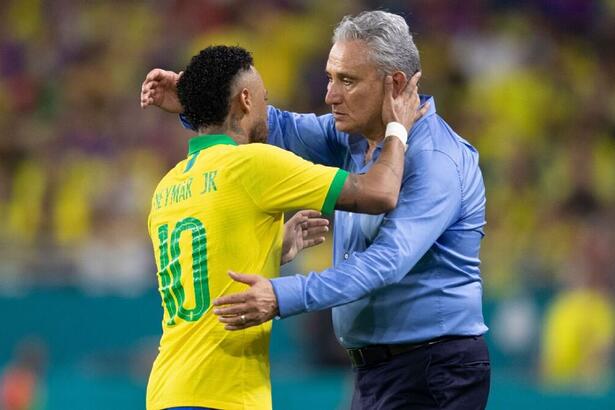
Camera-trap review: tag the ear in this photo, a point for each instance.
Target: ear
(399, 82)
(245, 101)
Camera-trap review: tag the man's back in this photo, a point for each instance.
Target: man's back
(221, 209)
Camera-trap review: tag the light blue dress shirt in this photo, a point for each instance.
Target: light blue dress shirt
(409, 275)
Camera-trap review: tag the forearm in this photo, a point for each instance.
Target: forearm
(429, 202)
(377, 190)
(349, 281)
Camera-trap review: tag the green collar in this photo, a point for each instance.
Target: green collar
(205, 141)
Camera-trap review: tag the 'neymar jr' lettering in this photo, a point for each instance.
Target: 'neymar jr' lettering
(209, 183)
(173, 194)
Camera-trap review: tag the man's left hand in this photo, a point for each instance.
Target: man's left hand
(250, 308)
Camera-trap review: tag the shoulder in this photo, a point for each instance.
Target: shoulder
(434, 134)
(275, 113)
(263, 155)
(171, 174)
(259, 149)
(309, 124)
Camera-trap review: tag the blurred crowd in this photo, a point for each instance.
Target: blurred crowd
(529, 83)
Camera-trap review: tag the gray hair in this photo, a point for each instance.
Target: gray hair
(388, 37)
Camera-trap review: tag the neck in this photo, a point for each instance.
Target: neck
(230, 128)
(373, 137)
(375, 134)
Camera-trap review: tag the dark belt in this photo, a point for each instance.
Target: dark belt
(374, 354)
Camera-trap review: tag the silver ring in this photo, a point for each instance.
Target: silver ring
(243, 319)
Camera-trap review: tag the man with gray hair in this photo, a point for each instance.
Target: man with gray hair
(405, 288)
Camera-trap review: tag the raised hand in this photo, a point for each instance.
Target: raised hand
(402, 106)
(160, 89)
(304, 230)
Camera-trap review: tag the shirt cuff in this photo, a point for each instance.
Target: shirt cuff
(289, 293)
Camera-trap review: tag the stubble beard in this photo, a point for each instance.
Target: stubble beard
(259, 132)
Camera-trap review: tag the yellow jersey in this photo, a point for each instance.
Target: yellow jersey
(222, 209)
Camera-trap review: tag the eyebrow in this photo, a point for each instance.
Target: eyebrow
(343, 74)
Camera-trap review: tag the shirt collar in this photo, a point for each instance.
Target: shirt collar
(432, 106)
(205, 141)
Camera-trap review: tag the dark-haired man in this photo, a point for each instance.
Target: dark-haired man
(222, 208)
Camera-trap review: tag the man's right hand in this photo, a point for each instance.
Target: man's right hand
(160, 89)
(403, 105)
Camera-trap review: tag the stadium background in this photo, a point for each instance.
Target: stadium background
(530, 83)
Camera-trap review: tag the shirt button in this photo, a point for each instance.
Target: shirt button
(346, 255)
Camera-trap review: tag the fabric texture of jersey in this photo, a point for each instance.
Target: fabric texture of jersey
(221, 209)
(409, 275)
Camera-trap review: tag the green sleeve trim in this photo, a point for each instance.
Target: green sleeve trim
(334, 191)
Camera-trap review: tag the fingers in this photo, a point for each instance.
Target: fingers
(147, 99)
(313, 242)
(148, 85)
(148, 91)
(235, 298)
(309, 213)
(315, 223)
(243, 278)
(315, 231)
(238, 316)
(312, 219)
(156, 74)
(231, 310)
(152, 81)
(297, 220)
(421, 111)
(305, 215)
(388, 87)
(237, 319)
(414, 81)
(240, 322)
(411, 87)
(306, 220)
(414, 101)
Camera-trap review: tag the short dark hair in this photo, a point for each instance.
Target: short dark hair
(204, 89)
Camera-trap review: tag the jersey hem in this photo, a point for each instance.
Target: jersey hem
(213, 404)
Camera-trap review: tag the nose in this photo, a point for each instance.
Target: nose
(334, 96)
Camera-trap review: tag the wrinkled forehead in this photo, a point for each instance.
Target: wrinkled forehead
(350, 55)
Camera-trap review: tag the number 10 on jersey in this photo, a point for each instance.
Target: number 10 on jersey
(173, 293)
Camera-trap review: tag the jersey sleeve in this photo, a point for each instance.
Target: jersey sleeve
(279, 181)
